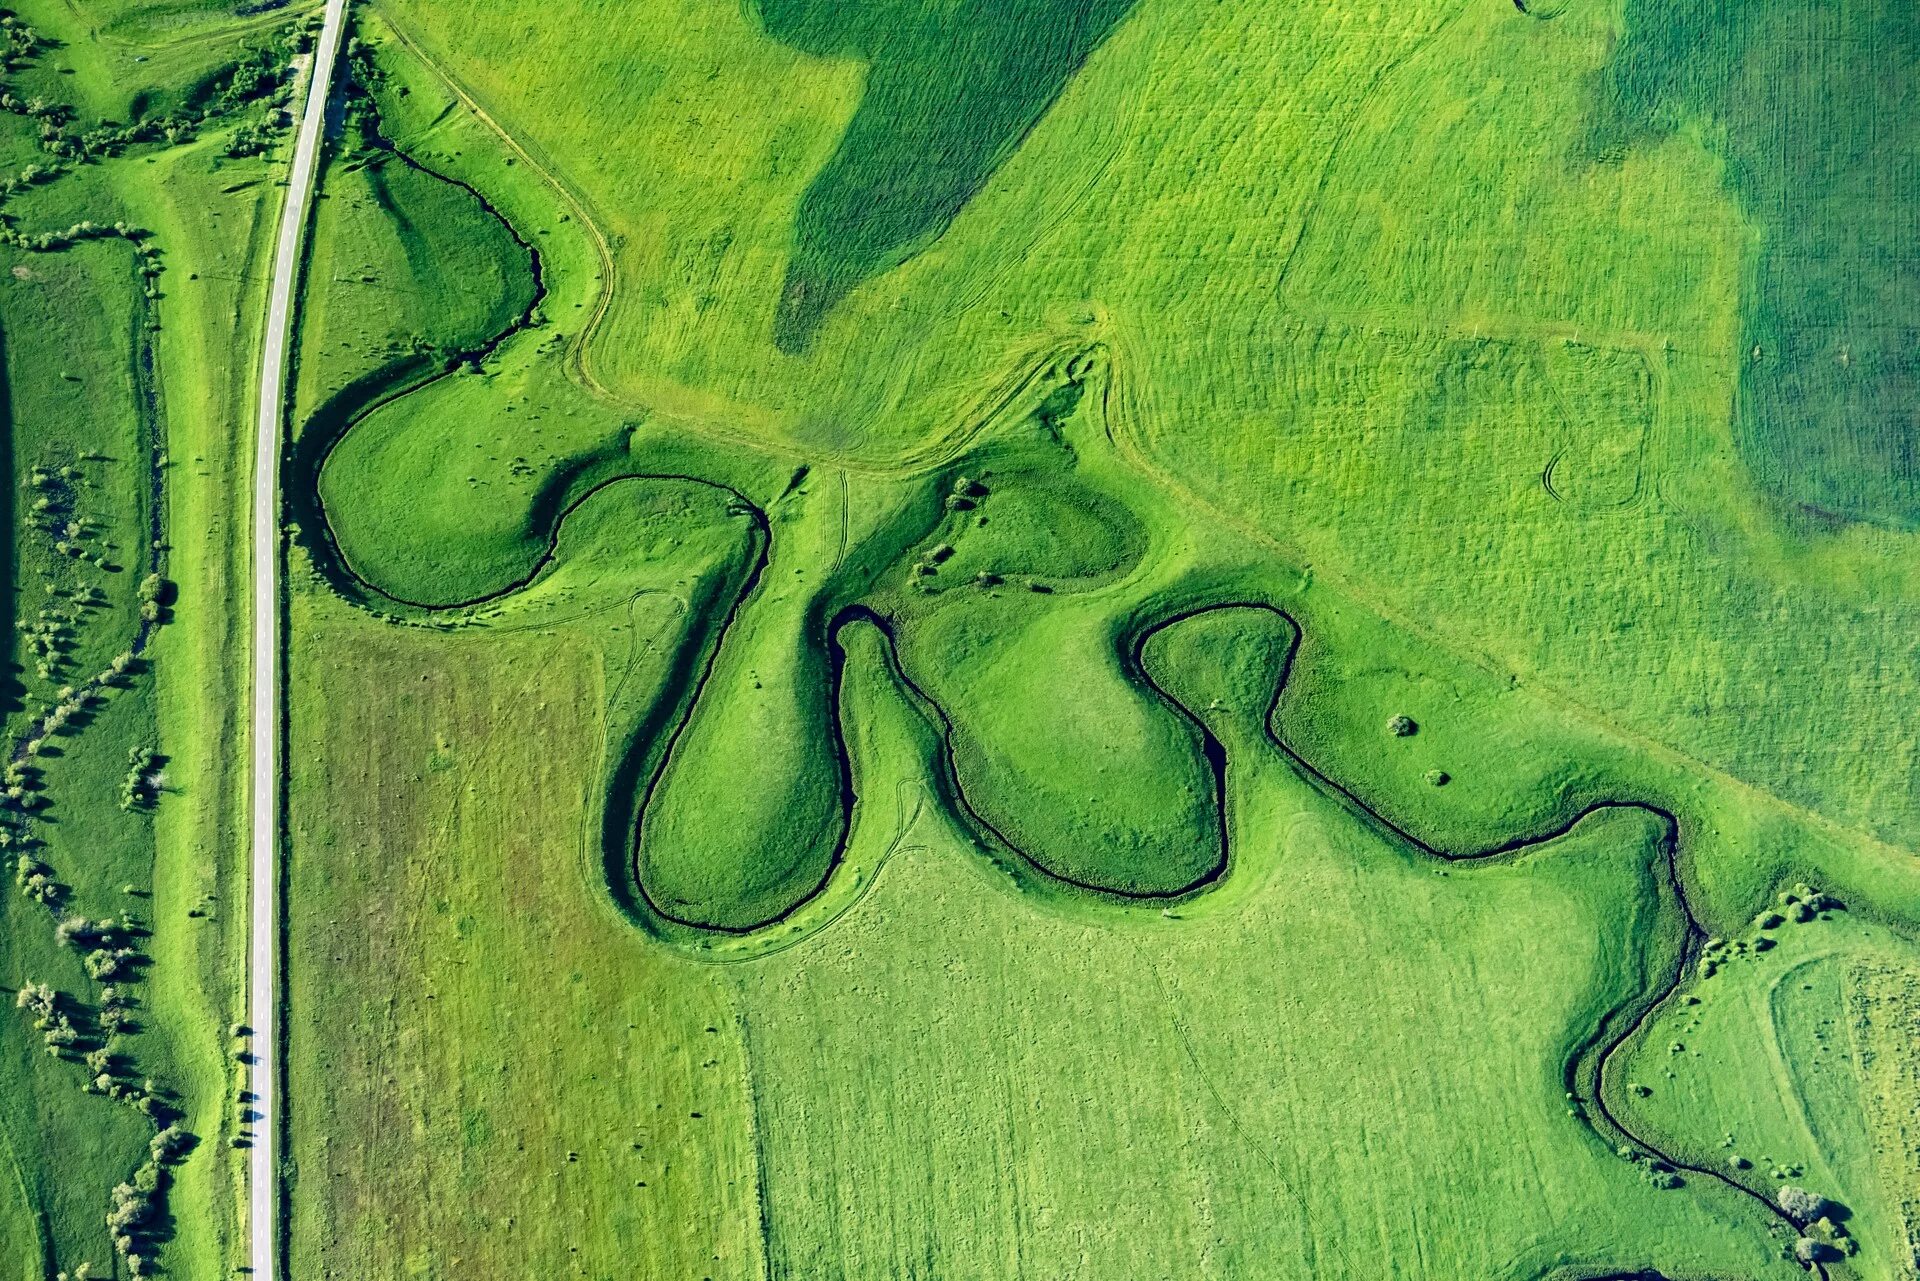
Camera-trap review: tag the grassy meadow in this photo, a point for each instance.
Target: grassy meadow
(1484, 293)
(1106, 640)
(134, 207)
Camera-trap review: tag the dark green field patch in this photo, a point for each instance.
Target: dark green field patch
(1813, 109)
(951, 91)
(79, 446)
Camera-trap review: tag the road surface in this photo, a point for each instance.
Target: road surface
(262, 963)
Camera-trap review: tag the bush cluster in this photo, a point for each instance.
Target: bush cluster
(35, 880)
(46, 1007)
(141, 786)
(21, 42)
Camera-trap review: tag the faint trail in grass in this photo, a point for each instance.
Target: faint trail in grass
(29, 1205)
(581, 342)
(762, 1200)
(1258, 1147)
(840, 551)
(1317, 195)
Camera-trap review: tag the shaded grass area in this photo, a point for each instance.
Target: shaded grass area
(120, 67)
(439, 281)
(950, 92)
(1813, 110)
(403, 264)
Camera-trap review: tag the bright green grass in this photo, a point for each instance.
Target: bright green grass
(217, 230)
(1299, 179)
(1400, 677)
(1225, 1096)
(1031, 1080)
(1883, 1019)
(82, 351)
(1760, 1069)
(758, 750)
(492, 441)
(1361, 327)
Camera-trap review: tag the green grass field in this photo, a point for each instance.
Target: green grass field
(1012, 639)
(1106, 640)
(124, 477)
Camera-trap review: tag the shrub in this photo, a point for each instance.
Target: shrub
(1808, 1250)
(131, 1209)
(169, 1145)
(37, 998)
(108, 963)
(139, 787)
(1799, 1204)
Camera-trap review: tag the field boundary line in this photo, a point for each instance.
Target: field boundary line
(576, 349)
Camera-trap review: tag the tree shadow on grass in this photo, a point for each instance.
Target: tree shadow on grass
(952, 90)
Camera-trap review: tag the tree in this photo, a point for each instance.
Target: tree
(37, 998)
(1799, 1204)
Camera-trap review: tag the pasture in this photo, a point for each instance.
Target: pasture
(1145, 641)
(132, 210)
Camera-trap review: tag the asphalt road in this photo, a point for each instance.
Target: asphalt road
(262, 965)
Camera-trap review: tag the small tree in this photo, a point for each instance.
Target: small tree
(1799, 1204)
(38, 999)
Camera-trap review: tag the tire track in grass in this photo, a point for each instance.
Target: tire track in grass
(577, 349)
